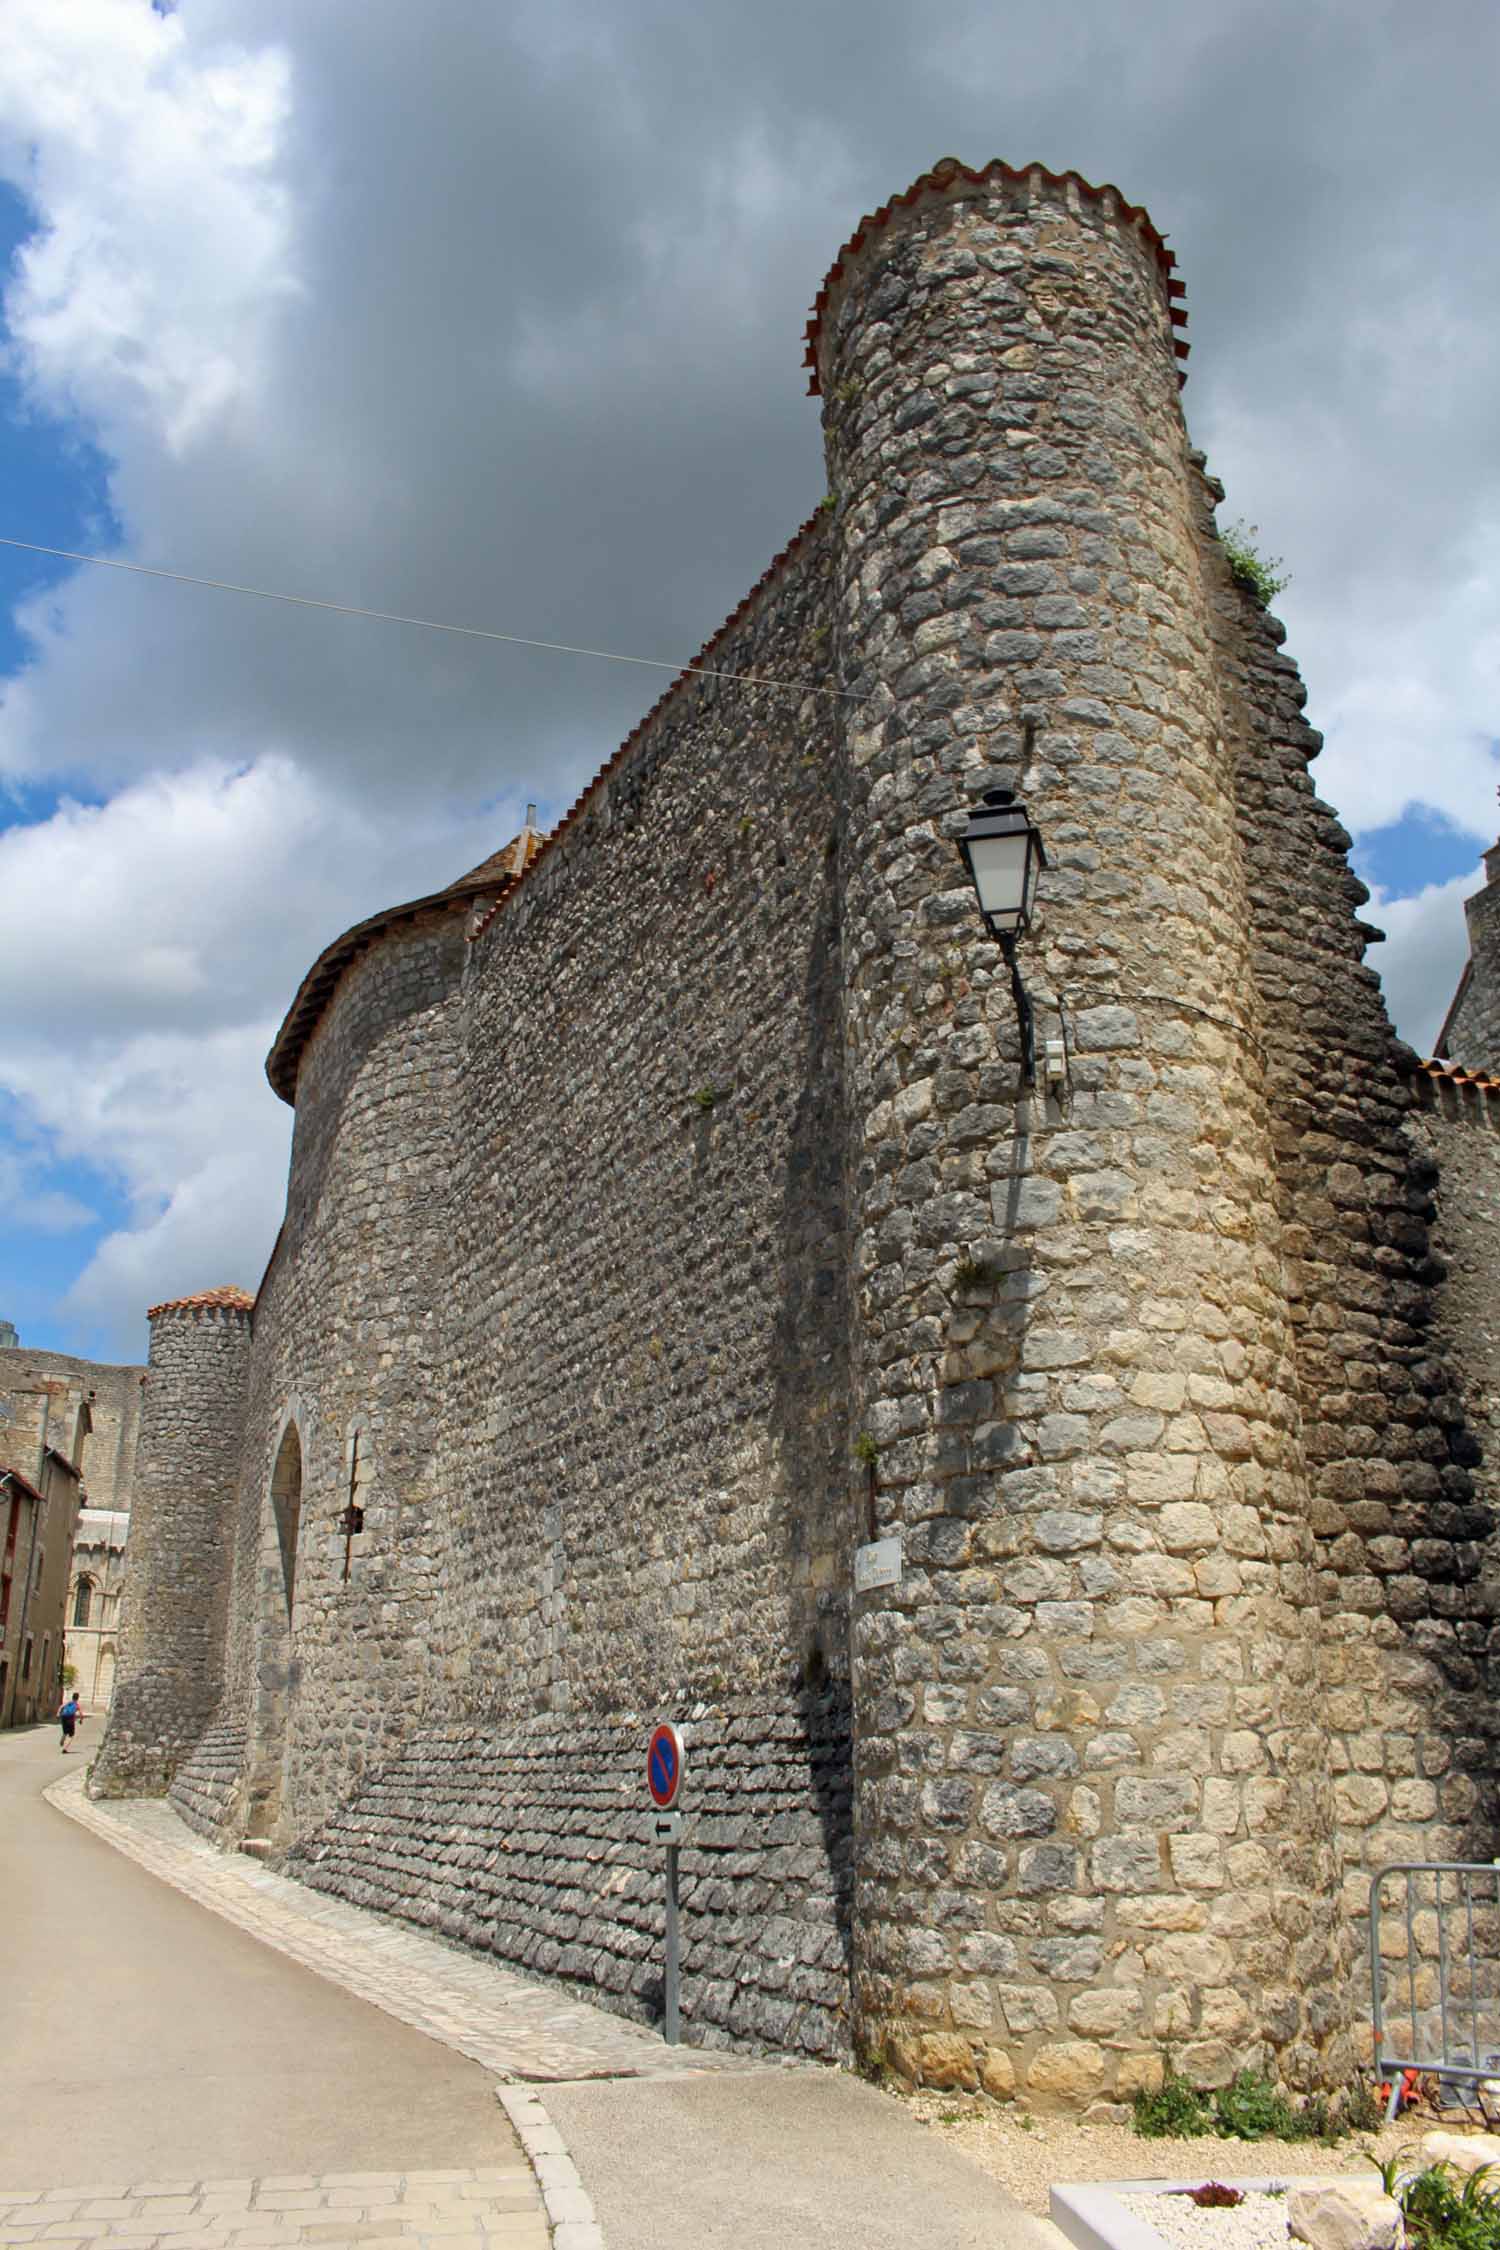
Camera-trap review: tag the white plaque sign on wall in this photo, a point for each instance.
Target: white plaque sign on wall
(878, 1564)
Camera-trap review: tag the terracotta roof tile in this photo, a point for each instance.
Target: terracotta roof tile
(1452, 1074)
(206, 1300)
(949, 173)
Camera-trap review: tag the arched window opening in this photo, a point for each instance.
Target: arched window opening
(286, 1504)
(83, 1601)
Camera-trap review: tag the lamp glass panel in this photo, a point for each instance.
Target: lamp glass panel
(1000, 872)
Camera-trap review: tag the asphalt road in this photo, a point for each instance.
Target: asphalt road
(140, 2036)
(778, 2158)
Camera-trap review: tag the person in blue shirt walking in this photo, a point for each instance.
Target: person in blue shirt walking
(70, 1719)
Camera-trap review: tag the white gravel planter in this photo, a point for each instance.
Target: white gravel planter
(1157, 2215)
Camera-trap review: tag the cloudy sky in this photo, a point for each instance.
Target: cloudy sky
(492, 313)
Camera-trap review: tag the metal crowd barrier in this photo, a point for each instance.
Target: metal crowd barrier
(1435, 1972)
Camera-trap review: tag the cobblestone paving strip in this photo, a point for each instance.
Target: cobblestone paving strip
(570, 2208)
(519, 2030)
(494, 2208)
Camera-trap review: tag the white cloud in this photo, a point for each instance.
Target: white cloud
(206, 1195)
(178, 920)
(1395, 626)
(148, 298)
(181, 902)
(184, 1126)
(1423, 957)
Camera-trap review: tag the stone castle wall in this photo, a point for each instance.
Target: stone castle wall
(528, 1842)
(619, 1214)
(645, 1469)
(1050, 1740)
(349, 1342)
(1390, 1378)
(658, 1010)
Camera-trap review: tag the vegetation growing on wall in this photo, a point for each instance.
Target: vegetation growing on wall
(1264, 576)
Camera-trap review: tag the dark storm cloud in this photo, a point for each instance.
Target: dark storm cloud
(497, 318)
(541, 371)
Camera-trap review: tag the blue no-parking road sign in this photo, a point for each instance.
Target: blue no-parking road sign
(664, 1764)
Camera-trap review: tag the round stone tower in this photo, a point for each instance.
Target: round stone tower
(173, 1609)
(1091, 1817)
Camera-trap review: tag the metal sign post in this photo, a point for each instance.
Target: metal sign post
(664, 1767)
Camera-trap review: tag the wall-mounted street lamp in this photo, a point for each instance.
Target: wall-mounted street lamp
(1004, 856)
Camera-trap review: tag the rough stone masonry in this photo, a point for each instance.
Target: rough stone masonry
(668, 1214)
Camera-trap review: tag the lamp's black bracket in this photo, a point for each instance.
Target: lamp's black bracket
(1024, 1016)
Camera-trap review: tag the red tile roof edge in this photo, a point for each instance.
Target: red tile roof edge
(316, 989)
(1452, 1074)
(8, 1475)
(947, 173)
(684, 678)
(206, 1300)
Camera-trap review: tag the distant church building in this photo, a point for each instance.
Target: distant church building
(93, 1626)
(68, 1434)
(1025, 1408)
(1470, 1037)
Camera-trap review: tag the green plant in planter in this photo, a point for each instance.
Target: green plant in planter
(1442, 2214)
(1264, 576)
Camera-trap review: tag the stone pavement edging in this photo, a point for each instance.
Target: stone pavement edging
(570, 2210)
(496, 2207)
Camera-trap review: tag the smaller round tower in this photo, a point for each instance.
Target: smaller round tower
(177, 1574)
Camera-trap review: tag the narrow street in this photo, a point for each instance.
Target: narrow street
(200, 2054)
(144, 2038)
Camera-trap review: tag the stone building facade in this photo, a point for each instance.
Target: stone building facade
(34, 1519)
(69, 1427)
(670, 1213)
(90, 1412)
(92, 1640)
(38, 1517)
(112, 1394)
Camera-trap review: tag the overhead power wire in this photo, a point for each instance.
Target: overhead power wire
(429, 624)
